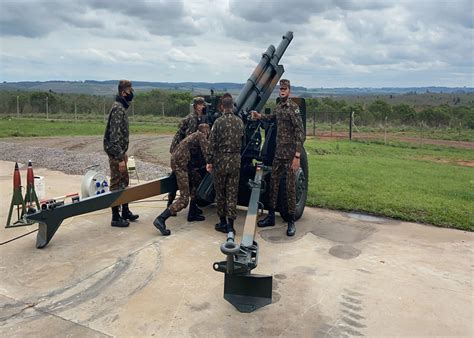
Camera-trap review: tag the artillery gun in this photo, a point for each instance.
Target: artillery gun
(246, 291)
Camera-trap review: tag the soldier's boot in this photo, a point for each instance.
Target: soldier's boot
(160, 224)
(118, 221)
(268, 221)
(222, 225)
(127, 214)
(198, 211)
(192, 214)
(230, 226)
(171, 197)
(291, 231)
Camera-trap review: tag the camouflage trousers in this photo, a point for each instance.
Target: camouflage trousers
(281, 167)
(182, 178)
(226, 185)
(118, 180)
(194, 181)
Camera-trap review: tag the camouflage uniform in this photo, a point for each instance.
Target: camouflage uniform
(186, 127)
(224, 154)
(116, 142)
(179, 164)
(289, 140)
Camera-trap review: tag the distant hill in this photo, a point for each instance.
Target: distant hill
(109, 87)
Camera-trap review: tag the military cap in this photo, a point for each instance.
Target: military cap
(199, 100)
(284, 83)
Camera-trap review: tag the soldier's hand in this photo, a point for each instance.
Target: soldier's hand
(209, 167)
(295, 165)
(122, 166)
(256, 115)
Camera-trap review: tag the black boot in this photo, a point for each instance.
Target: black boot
(127, 214)
(230, 226)
(192, 215)
(291, 231)
(171, 197)
(118, 221)
(198, 211)
(222, 226)
(159, 222)
(268, 221)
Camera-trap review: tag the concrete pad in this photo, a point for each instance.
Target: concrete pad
(341, 275)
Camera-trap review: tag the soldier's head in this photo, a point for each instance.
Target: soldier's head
(125, 90)
(227, 102)
(204, 128)
(199, 104)
(284, 89)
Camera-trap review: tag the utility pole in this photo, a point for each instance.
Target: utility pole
(18, 106)
(47, 109)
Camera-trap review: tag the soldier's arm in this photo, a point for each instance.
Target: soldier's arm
(204, 145)
(211, 152)
(299, 129)
(179, 136)
(115, 150)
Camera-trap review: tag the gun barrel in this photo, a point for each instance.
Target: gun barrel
(263, 80)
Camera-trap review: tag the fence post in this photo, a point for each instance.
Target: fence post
(105, 120)
(17, 107)
(47, 108)
(351, 120)
(314, 122)
(421, 134)
(75, 111)
(385, 131)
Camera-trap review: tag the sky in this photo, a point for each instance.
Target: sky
(337, 43)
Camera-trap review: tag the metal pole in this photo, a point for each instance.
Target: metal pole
(314, 123)
(331, 123)
(385, 131)
(162, 109)
(75, 111)
(47, 109)
(18, 106)
(105, 120)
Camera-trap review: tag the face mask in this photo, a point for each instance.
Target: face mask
(129, 97)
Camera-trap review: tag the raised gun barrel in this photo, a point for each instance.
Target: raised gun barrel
(264, 78)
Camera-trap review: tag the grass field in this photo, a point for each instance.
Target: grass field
(433, 184)
(430, 185)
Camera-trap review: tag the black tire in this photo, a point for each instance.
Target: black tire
(301, 190)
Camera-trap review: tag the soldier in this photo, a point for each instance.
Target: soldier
(186, 127)
(116, 146)
(180, 160)
(225, 143)
(289, 143)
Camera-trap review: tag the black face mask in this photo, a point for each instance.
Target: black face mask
(129, 97)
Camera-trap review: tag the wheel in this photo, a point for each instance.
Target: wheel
(301, 181)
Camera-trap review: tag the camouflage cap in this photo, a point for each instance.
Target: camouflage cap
(284, 83)
(199, 100)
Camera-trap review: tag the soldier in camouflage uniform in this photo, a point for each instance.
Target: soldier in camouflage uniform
(289, 143)
(225, 143)
(180, 160)
(116, 146)
(186, 127)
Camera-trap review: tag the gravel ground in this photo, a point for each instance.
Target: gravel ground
(72, 162)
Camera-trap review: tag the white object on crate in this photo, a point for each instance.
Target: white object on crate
(40, 187)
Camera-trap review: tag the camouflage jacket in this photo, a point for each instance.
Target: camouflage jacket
(186, 127)
(117, 130)
(226, 137)
(290, 131)
(181, 156)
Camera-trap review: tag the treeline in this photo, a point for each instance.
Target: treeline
(177, 103)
